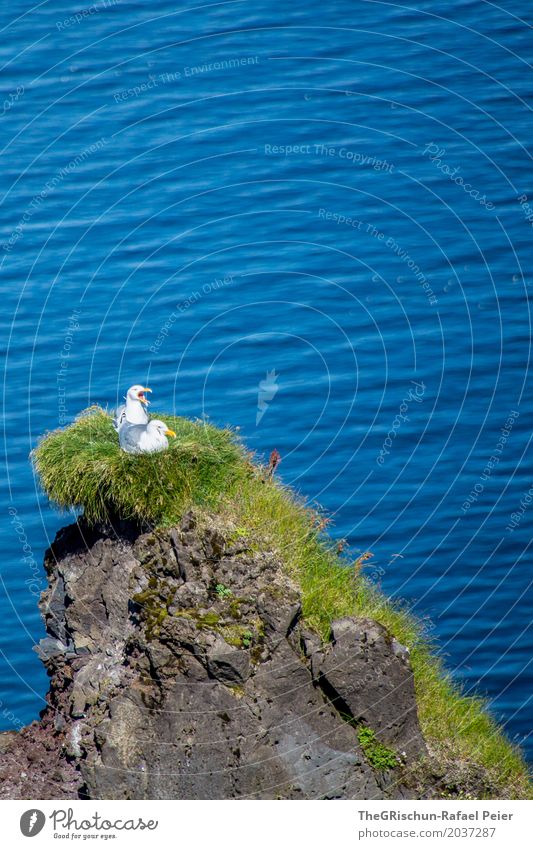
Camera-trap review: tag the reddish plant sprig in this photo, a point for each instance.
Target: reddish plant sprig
(273, 462)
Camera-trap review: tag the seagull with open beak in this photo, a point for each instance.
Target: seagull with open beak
(134, 410)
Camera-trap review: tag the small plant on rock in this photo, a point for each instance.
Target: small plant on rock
(222, 591)
(247, 638)
(378, 756)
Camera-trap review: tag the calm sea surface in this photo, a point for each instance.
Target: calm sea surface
(309, 222)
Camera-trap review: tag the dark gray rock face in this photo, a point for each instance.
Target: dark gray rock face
(367, 676)
(180, 669)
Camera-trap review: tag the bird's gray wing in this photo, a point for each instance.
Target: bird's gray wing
(120, 417)
(129, 437)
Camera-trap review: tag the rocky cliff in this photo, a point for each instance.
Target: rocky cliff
(180, 668)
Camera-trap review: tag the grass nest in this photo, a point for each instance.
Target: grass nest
(83, 466)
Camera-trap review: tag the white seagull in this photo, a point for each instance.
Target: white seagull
(144, 438)
(134, 410)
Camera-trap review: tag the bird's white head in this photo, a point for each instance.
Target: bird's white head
(137, 393)
(160, 427)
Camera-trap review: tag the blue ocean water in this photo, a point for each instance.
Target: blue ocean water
(308, 222)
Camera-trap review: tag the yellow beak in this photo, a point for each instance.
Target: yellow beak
(170, 432)
(144, 389)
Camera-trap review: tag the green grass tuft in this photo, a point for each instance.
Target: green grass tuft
(83, 466)
(207, 469)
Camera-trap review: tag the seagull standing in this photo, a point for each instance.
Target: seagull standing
(134, 410)
(144, 438)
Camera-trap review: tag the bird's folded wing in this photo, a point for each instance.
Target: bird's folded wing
(130, 437)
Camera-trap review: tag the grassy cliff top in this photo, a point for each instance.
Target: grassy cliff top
(208, 470)
(83, 466)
